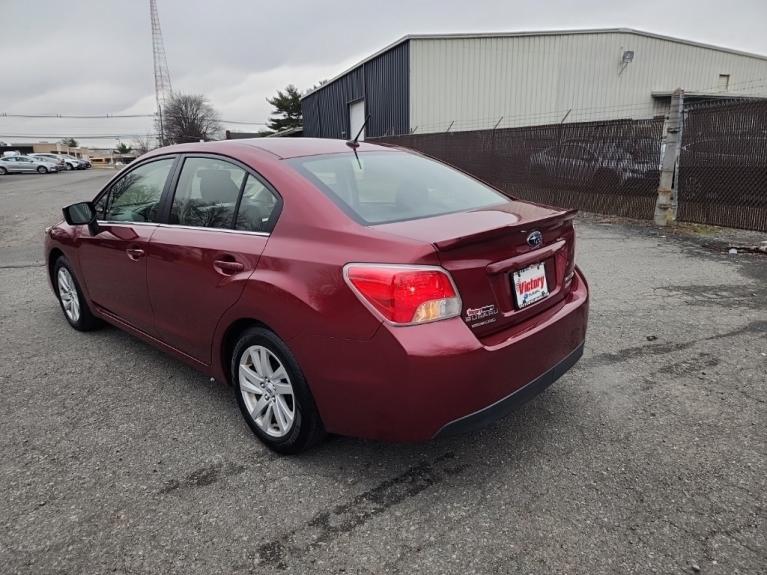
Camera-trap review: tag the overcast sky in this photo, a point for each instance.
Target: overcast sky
(95, 56)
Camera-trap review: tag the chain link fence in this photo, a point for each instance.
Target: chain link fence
(722, 170)
(614, 167)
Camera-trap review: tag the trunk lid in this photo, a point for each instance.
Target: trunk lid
(483, 249)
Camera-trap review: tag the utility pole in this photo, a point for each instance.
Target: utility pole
(664, 205)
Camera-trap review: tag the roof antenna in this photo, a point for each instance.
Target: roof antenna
(354, 144)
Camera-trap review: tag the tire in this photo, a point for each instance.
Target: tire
(69, 167)
(269, 386)
(3, 171)
(42, 170)
(71, 299)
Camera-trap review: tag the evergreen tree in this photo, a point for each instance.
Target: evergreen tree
(287, 112)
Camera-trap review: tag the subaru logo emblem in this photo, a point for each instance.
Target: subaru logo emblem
(535, 239)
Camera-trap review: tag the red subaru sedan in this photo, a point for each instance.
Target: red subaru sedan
(348, 288)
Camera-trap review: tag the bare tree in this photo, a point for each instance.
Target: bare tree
(188, 118)
(143, 144)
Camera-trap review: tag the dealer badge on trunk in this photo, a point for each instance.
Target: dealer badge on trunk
(476, 314)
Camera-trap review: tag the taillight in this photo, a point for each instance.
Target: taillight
(569, 237)
(404, 294)
(570, 269)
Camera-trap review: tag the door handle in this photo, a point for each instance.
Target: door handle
(134, 253)
(228, 267)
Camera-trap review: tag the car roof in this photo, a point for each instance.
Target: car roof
(280, 147)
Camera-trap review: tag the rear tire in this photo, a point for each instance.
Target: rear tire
(71, 299)
(272, 393)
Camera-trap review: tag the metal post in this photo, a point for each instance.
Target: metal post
(664, 212)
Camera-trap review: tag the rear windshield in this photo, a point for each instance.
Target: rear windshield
(383, 187)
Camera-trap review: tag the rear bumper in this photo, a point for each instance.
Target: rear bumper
(505, 406)
(414, 383)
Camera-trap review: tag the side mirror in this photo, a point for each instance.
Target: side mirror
(81, 214)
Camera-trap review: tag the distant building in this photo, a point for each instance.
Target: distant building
(44, 148)
(296, 132)
(434, 83)
(107, 157)
(287, 133)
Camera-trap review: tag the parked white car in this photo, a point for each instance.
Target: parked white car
(53, 159)
(75, 163)
(25, 164)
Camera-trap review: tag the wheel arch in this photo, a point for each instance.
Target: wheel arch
(231, 334)
(53, 257)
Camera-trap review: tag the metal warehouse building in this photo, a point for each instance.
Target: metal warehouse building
(434, 83)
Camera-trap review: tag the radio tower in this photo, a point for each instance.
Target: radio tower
(162, 88)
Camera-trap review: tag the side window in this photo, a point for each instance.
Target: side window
(136, 196)
(256, 207)
(206, 194)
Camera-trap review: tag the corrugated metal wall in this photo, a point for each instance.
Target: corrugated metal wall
(383, 82)
(536, 79)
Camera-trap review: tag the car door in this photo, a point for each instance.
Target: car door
(9, 164)
(19, 165)
(114, 261)
(576, 163)
(217, 226)
(26, 164)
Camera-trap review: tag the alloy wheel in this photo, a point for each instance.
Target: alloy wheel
(68, 295)
(267, 391)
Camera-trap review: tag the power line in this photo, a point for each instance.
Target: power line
(76, 116)
(78, 136)
(107, 117)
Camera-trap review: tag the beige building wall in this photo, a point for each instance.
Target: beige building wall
(535, 78)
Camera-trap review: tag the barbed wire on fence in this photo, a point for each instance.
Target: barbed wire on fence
(612, 165)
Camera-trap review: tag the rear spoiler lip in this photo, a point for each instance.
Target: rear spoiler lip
(552, 221)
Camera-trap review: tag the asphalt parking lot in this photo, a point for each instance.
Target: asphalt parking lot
(649, 457)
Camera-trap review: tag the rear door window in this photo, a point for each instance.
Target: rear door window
(258, 207)
(206, 194)
(383, 187)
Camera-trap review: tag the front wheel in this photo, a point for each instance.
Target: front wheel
(272, 393)
(3, 171)
(69, 167)
(42, 170)
(71, 298)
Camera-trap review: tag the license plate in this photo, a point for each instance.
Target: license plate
(530, 284)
